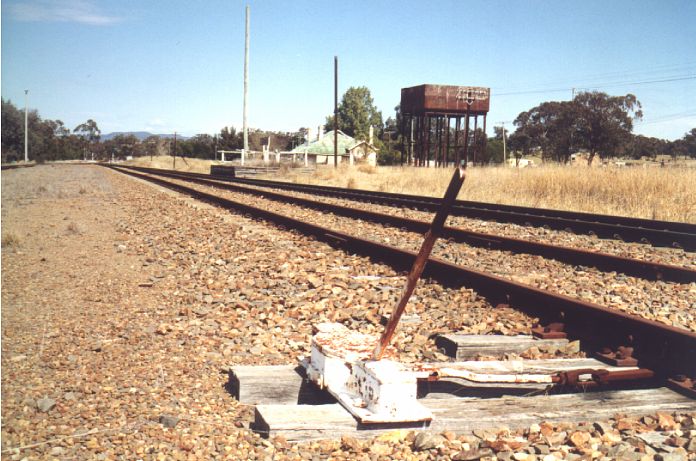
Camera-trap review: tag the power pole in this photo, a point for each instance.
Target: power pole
(246, 80)
(26, 125)
(174, 166)
(504, 146)
(335, 111)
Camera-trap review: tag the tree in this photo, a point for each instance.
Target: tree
(124, 145)
(297, 138)
(494, 151)
(12, 132)
(199, 146)
(229, 139)
(640, 146)
(524, 139)
(689, 141)
(604, 122)
(595, 121)
(677, 148)
(356, 113)
(88, 130)
(550, 127)
(153, 145)
(89, 133)
(498, 133)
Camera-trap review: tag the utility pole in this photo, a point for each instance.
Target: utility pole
(504, 146)
(174, 166)
(215, 148)
(246, 81)
(335, 111)
(26, 125)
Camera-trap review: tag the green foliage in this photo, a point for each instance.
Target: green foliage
(494, 151)
(48, 139)
(687, 144)
(297, 138)
(12, 132)
(121, 146)
(387, 153)
(88, 130)
(356, 113)
(594, 121)
(260, 138)
(640, 146)
(229, 139)
(548, 126)
(604, 122)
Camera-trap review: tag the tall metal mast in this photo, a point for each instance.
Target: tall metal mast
(246, 81)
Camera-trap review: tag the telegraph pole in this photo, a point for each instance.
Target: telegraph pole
(26, 125)
(504, 146)
(246, 81)
(335, 111)
(174, 166)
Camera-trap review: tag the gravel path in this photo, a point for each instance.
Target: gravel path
(666, 302)
(122, 306)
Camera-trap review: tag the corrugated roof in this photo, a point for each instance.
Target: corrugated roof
(326, 144)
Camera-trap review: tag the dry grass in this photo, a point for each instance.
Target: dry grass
(194, 165)
(654, 193)
(10, 240)
(73, 229)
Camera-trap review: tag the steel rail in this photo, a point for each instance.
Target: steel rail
(658, 233)
(626, 221)
(666, 349)
(602, 261)
(14, 167)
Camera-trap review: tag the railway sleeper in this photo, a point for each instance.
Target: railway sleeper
(387, 391)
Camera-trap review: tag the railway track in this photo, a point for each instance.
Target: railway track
(665, 349)
(11, 166)
(657, 233)
(602, 261)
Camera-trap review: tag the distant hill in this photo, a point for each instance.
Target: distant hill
(141, 135)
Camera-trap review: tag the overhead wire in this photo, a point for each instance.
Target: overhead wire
(600, 78)
(666, 118)
(599, 86)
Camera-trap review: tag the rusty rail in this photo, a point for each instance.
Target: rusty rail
(654, 232)
(665, 349)
(602, 261)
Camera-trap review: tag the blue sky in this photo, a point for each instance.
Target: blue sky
(165, 66)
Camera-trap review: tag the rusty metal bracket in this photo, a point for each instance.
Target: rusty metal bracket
(550, 331)
(572, 378)
(684, 385)
(622, 357)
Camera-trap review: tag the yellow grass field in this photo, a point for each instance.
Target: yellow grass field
(651, 192)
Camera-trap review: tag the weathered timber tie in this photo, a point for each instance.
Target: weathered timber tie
(431, 236)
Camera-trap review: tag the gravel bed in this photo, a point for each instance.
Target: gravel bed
(667, 302)
(123, 305)
(664, 255)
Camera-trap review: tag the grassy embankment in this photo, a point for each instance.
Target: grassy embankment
(653, 193)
